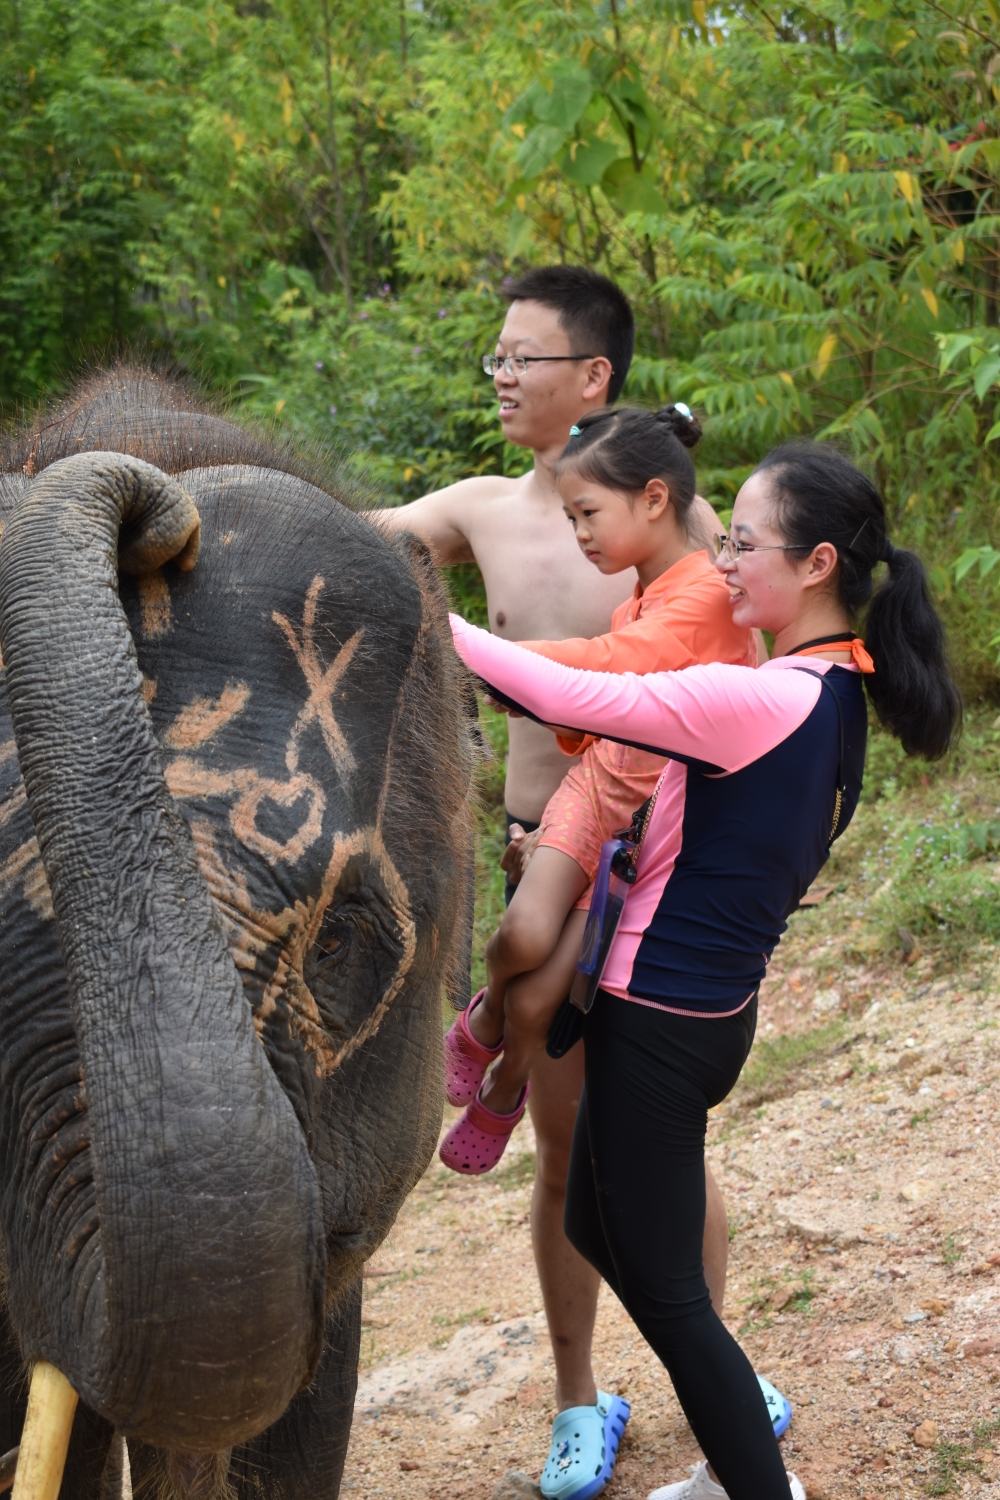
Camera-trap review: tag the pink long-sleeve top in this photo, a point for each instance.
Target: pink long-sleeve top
(744, 811)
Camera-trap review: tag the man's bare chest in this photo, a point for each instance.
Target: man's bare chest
(538, 583)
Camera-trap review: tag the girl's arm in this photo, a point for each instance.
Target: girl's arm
(644, 645)
(721, 717)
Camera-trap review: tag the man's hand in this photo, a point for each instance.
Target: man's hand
(703, 525)
(517, 855)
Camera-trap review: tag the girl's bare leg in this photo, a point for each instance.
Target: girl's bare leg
(532, 1000)
(526, 937)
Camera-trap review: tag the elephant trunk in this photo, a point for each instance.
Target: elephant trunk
(188, 1308)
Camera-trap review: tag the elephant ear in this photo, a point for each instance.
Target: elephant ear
(12, 487)
(449, 692)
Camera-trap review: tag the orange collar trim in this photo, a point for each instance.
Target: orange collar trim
(856, 647)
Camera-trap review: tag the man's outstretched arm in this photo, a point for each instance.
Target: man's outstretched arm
(442, 519)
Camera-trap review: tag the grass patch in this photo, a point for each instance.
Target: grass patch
(517, 1173)
(770, 1295)
(951, 1253)
(459, 1320)
(921, 856)
(775, 1067)
(952, 1460)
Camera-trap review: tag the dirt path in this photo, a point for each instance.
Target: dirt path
(862, 1185)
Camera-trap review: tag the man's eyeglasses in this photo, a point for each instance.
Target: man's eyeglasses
(516, 364)
(732, 548)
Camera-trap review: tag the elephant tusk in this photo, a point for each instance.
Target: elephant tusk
(8, 1466)
(45, 1439)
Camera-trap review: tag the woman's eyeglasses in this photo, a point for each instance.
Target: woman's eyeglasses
(516, 364)
(731, 548)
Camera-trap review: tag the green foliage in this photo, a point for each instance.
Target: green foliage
(922, 853)
(316, 206)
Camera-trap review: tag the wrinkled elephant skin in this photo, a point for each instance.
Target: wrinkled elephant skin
(235, 842)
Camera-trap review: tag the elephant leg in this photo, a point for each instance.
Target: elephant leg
(301, 1457)
(91, 1436)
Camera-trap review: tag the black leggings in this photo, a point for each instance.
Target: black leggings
(635, 1208)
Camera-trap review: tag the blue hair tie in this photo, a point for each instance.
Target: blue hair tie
(685, 411)
(575, 431)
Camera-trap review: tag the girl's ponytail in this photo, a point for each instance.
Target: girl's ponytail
(911, 689)
(821, 497)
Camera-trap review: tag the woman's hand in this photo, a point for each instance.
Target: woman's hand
(501, 708)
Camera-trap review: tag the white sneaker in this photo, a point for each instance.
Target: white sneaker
(700, 1487)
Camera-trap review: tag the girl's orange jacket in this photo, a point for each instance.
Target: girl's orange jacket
(681, 618)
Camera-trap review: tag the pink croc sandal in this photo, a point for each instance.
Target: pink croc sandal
(476, 1142)
(465, 1059)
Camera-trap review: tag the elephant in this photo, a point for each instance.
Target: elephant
(236, 758)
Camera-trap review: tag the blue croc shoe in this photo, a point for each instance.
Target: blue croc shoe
(584, 1448)
(779, 1408)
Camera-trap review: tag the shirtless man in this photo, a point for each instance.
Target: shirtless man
(568, 339)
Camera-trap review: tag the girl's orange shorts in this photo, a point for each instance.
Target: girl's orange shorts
(595, 799)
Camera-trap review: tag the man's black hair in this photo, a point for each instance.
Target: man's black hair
(594, 312)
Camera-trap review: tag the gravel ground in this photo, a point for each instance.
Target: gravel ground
(861, 1180)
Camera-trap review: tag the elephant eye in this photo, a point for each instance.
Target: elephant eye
(329, 949)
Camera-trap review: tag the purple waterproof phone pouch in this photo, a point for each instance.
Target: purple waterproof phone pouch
(615, 873)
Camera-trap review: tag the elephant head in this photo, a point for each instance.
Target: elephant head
(234, 860)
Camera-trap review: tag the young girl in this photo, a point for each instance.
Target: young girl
(627, 484)
(764, 772)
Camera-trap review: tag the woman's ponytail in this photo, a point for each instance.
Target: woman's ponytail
(911, 689)
(821, 497)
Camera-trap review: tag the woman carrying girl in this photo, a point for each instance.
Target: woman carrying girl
(628, 485)
(764, 772)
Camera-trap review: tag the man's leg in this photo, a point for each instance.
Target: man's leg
(569, 1283)
(716, 1246)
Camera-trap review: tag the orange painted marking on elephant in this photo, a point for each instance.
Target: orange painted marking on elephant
(154, 600)
(294, 930)
(25, 864)
(250, 932)
(399, 896)
(288, 977)
(187, 779)
(203, 718)
(148, 690)
(321, 681)
(36, 889)
(12, 806)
